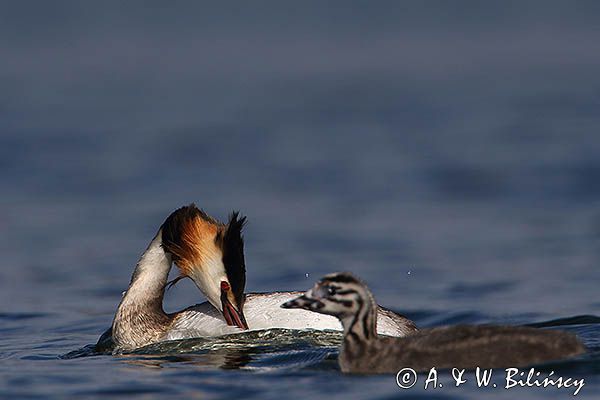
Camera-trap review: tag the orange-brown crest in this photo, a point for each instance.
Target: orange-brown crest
(190, 235)
(198, 244)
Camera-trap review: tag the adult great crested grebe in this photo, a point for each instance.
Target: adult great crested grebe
(203, 249)
(212, 255)
(461, 346)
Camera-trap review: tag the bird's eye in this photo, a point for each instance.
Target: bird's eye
(331, 290)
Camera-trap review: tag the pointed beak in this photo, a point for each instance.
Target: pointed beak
(304, 302)
(233, 316)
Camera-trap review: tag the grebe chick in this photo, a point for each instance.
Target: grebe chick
(462, 346)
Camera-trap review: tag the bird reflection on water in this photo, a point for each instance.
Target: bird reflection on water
(223, 359)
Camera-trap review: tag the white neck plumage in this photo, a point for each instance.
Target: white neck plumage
(140, 313)
(150, 275)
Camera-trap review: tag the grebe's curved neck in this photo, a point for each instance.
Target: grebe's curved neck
(140, 317)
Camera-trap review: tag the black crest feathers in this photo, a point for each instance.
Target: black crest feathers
(233, 255)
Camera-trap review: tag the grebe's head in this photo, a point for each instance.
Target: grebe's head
(212, 255)
(339, 294)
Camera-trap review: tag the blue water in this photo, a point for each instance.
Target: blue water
(447, 153)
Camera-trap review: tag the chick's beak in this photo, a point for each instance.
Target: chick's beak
(305, 302)
(232, 315)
